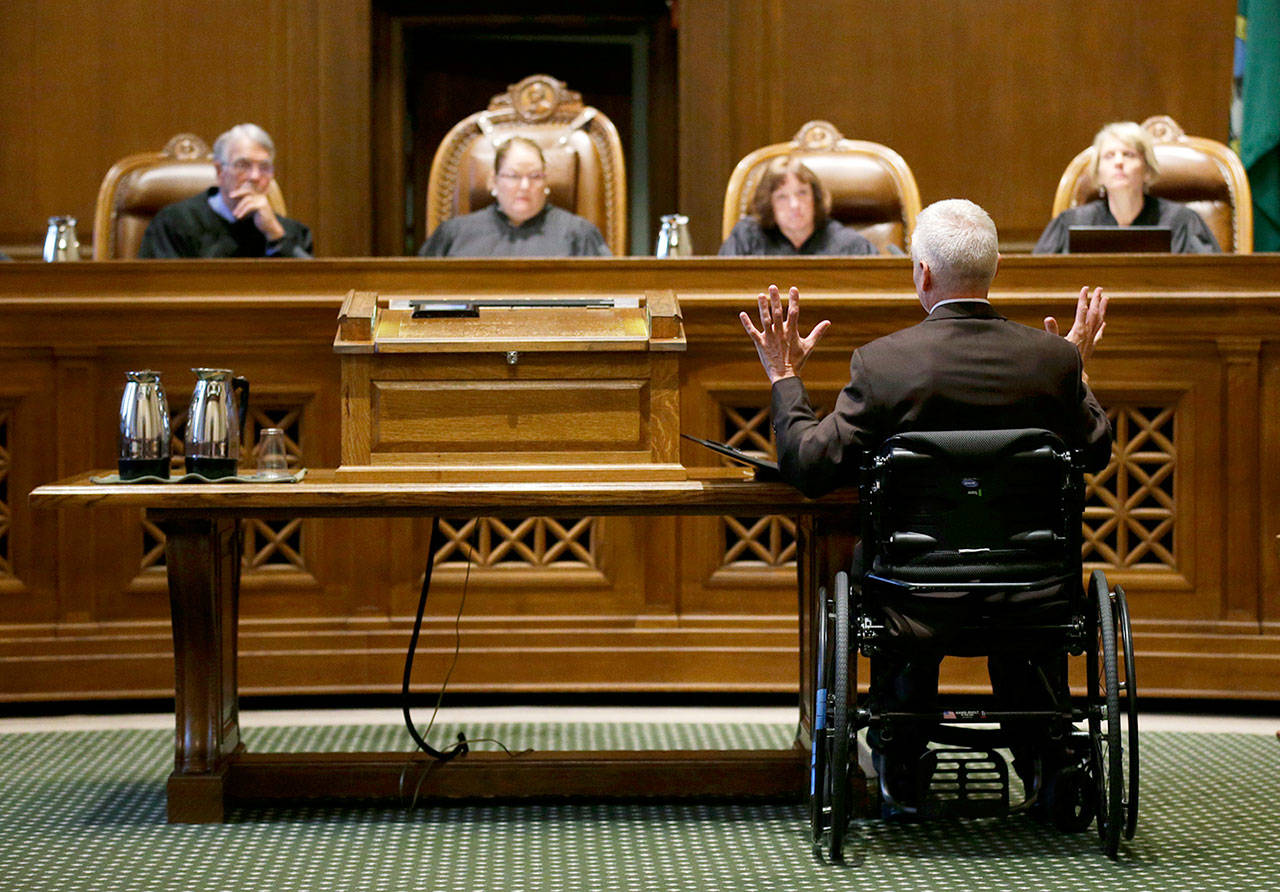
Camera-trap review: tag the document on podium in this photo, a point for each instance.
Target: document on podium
(764, 468)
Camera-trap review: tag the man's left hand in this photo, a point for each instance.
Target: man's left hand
(1091, 319)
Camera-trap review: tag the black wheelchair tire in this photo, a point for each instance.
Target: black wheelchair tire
(1070, 796)
(819, 781)
(1125, 631)
(840, 720)
(1110, 773)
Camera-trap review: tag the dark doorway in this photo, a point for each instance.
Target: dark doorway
(433, 71)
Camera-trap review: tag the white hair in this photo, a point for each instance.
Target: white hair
(958, 240)
(251, 132)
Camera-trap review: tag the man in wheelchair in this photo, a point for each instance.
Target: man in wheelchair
(964, 368)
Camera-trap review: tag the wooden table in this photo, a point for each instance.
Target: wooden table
(212, 767)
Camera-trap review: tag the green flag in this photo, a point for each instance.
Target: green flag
(1256, 113)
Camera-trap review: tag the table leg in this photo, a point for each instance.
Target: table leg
(203, 562)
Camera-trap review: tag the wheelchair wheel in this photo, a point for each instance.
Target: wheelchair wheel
(1107, 760)
(1070, 796)
(1129, 702)
(819, 789)
(840, 720)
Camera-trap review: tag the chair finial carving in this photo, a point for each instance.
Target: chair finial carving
(1163, 128)
(187, 147)
(537, 98)
(817, 136)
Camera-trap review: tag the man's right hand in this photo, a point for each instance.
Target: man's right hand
(781, 349)
(249, 201)
(1091, 319)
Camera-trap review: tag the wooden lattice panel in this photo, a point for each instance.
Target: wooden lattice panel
(268, 544)
(1130, 508)
(768, 541)
(274, 543)
(541, 542)
(6, 565)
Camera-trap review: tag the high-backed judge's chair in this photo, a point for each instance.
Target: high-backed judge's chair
(872, 189)
(1201, 173)
(138, 186)
(585, 169)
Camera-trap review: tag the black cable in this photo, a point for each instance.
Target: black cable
(460, 748)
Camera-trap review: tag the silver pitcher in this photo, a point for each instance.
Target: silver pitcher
(214, 423)
(144, 427)
(673, 237)
(60, 242)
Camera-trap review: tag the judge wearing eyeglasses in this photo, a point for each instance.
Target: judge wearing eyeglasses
(521, 223)
(235, 217)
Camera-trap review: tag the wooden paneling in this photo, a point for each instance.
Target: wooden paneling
(988, 99)
(985, 99)
(82, 86)
(1190, 364)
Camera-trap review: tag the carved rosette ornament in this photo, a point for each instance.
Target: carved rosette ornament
(187, 147)
(537, 98)
(1163, 129)
(817, 136)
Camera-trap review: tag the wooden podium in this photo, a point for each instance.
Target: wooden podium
(559, 387)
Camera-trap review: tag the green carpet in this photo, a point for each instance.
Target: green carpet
(86, 811)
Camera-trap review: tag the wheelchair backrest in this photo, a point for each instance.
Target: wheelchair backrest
(972, 506)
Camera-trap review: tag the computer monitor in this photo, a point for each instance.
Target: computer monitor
(1119, 240)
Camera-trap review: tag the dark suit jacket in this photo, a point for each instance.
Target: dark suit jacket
(965, 367)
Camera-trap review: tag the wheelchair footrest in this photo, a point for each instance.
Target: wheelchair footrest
(963, 783)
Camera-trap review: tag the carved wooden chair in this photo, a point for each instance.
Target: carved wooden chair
(138, 186)
(1201, 173)
(872, 189)
(585, 168)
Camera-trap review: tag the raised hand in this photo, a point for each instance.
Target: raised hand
(1091, 319)
(779, 345)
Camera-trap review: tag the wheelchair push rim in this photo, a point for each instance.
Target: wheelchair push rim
(819, 789)
(1107, 749)
(840, 702)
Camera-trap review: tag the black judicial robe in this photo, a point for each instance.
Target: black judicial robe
(190, 228)
(1191, 234)
(748, 238)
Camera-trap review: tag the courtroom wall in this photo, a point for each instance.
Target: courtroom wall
(82, 85)
(986, 98)
(989, 99)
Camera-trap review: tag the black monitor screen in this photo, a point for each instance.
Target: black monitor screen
(1119, 240)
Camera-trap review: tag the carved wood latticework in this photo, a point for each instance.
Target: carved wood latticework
(269, 545)
(1129, 512)
(768, 541)
(1130, 508)
(6, 564)
(534, 542)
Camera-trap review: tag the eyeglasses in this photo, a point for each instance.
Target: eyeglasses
(512, 177)
(244, 165)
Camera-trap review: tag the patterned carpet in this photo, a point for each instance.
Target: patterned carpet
(85, 810)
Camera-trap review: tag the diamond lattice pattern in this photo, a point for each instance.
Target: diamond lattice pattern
(1129, 507)
(541, 542)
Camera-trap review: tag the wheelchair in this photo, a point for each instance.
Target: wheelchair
(971, 545)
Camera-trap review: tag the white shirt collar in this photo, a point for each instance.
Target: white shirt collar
(959, 300)
(219, 206)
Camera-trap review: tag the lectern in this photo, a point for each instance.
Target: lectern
(484, 389)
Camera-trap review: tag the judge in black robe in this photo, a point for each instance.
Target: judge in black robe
(235, 217)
